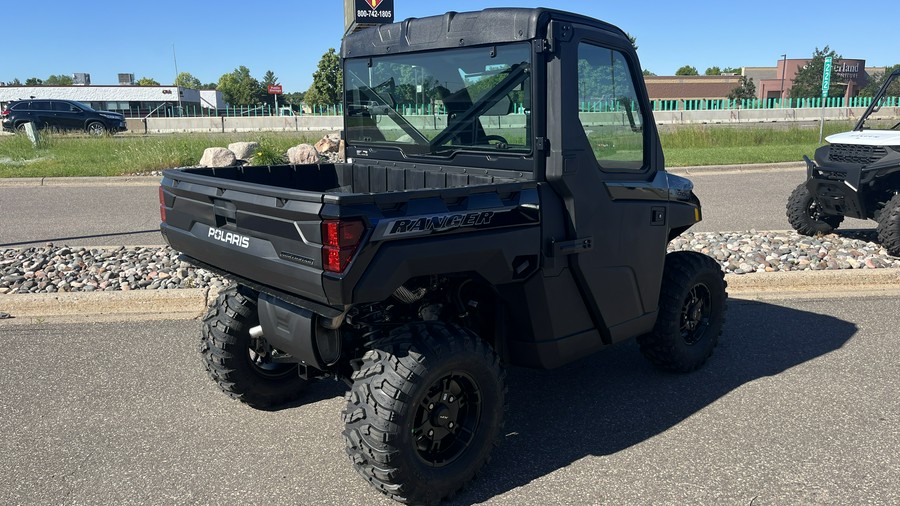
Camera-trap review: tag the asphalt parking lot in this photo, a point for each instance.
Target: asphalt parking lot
(798, 405)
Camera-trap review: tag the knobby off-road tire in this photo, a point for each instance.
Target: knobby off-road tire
(691, 313)
(889, 226)
(425, 411)
(806, 216)
(239, 364)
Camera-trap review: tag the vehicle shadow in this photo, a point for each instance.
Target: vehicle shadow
(611, 401)
(862, 234)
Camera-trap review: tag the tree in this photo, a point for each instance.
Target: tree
(713, 71)
(208, 86)
(58, 80)
(687, 70)
(294, 98)
(327, 81)
(731, 70)
(877, 80)
(33, 81)
(745, 90)
(239, 87)
(147, 81)
(633, 40)
(808, 81)
(269, 79)
(648, 73)
(186, 80)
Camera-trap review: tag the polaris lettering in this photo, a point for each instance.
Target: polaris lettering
(441, 223)
(229, 237)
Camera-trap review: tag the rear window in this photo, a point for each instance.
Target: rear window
(18, 106)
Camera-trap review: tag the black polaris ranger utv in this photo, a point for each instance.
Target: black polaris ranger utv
(856, 174)
(504, 202)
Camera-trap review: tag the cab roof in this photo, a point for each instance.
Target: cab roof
(461, 29)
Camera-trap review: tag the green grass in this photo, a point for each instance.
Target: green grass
(61, 155)
(728, 145)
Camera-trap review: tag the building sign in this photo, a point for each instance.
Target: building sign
(359, 14)
(847, 69)
(274, 89)
(374, 11)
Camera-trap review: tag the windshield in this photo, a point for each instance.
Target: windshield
(441, 102)
(881, 115)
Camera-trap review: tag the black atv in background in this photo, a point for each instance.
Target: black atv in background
(856, 174)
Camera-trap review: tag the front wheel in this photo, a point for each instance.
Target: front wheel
(96, 128)
(244, 367)
(807, 216)
(425, 411)
(691, 313)
(889, 226)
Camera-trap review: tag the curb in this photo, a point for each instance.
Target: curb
(80, 181)
(179, 304)
(190, 303)
(732, 169)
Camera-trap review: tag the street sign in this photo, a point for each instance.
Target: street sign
(826, 77)
(274, 89)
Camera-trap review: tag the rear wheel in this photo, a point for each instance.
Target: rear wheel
(425, 411)
(96, 128)
(889, 226)
(807, 216)
(691, 313)
(245, 368)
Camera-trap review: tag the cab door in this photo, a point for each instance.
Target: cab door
(604, 165)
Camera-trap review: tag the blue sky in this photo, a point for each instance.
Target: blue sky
(211, 38)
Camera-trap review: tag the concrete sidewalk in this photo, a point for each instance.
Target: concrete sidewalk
(181, 304)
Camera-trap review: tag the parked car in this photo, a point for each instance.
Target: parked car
(61, 115)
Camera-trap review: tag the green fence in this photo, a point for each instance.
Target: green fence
(772, 103)
(585, 106)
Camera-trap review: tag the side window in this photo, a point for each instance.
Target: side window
(41, 105)
(63, 107)
(609, 108)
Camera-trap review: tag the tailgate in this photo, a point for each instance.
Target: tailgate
(266, 234)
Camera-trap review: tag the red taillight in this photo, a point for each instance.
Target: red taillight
(339, 242)
(4, 112)
(162, 204)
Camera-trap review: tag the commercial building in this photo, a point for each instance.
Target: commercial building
(133, 101)
(776, 82)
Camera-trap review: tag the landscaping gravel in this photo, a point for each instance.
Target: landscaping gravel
(52, 268)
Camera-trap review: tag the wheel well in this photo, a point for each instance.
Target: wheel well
(464, 299)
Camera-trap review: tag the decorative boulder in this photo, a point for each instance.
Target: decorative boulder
(217, 157)
(328, 144)
(303, 154)
(243, 150)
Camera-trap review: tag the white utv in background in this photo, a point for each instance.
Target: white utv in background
(856, 174)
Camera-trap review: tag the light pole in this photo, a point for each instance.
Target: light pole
(783, 67)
